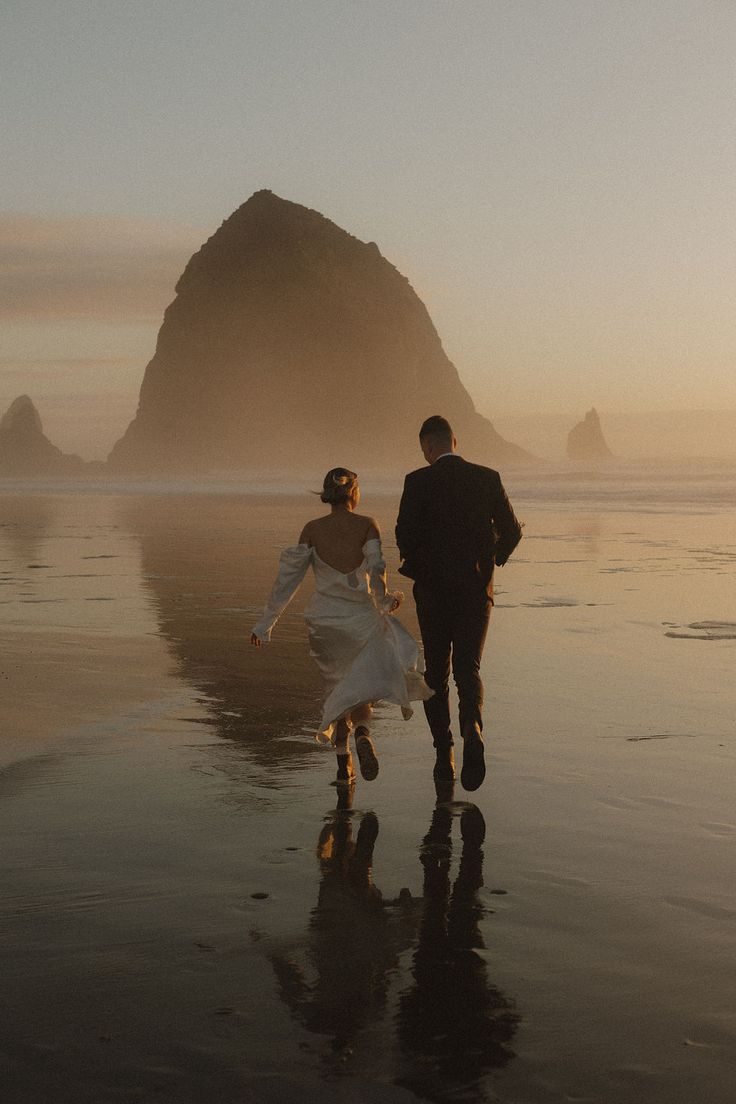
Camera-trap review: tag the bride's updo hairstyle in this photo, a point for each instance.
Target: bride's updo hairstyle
(338, 486)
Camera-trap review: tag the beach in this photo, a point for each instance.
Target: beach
(191, 912)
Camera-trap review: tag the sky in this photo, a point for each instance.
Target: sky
(554, 177)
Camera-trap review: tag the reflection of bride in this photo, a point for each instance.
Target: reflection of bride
(338, 986)
(364, 654)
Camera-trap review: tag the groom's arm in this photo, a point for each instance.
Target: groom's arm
(408, 527)
(505, 523)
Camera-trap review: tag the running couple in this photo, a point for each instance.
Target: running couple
(455, 524)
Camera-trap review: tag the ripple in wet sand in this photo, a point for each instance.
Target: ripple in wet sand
(662, 736)
(703, 908)
(717, 829)
(705, 630)
(551, 603)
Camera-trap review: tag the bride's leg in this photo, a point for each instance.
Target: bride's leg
(345, 771)
(361, 716)
(367, 757)
(342, 731)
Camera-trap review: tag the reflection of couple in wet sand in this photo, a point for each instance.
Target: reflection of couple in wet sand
(453, 1024)
(455, 524)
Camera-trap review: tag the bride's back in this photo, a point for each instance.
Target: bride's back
(338, 538)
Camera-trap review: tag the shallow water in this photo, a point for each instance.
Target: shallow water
(188, 916)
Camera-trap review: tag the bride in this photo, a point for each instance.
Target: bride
(364, 654)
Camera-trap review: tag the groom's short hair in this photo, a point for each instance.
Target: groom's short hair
(436, 428)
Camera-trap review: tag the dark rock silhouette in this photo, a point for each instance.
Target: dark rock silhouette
(24, 448)
(586, 442)
(293, 345)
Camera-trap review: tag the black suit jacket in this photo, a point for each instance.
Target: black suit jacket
(455, 522)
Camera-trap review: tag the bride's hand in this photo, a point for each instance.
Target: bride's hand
(255, 640)
(397, 598)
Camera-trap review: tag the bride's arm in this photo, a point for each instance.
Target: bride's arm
(293, 566)
(384, 599)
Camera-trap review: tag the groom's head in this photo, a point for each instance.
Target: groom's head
(436, 438)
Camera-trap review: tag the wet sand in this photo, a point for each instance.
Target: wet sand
(188, 916)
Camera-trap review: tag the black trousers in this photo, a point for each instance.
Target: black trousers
(453, 626)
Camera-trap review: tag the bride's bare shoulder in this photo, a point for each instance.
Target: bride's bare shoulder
(305, 537)
(369, 526)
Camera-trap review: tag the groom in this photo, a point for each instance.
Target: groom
(455, 522)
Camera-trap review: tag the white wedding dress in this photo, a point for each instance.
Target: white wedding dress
(364, 653)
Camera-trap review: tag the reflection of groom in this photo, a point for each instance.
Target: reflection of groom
(454, 1025)
(455, 522)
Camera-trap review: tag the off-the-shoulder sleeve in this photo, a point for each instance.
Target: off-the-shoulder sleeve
(293, 565)
(382, 596)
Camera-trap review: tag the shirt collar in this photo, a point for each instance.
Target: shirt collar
(444, 454)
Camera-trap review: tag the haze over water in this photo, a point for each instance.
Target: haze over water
(181, 891)
(555, 180)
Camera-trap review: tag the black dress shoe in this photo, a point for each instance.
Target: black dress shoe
(444, 765)
(474, 764)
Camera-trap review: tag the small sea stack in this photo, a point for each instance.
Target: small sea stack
(585, 441)
(25, 450)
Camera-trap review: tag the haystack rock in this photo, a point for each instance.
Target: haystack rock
(25, 451)
(586, 442)
(292, 346)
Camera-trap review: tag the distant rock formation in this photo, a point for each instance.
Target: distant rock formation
(293, 346)
(24, 448)
(586, 442)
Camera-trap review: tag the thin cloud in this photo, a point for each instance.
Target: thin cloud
(115, 269)
(73, 375)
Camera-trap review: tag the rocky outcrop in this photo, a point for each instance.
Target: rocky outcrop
(25, 451)
(585, 441)
(292, 345)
